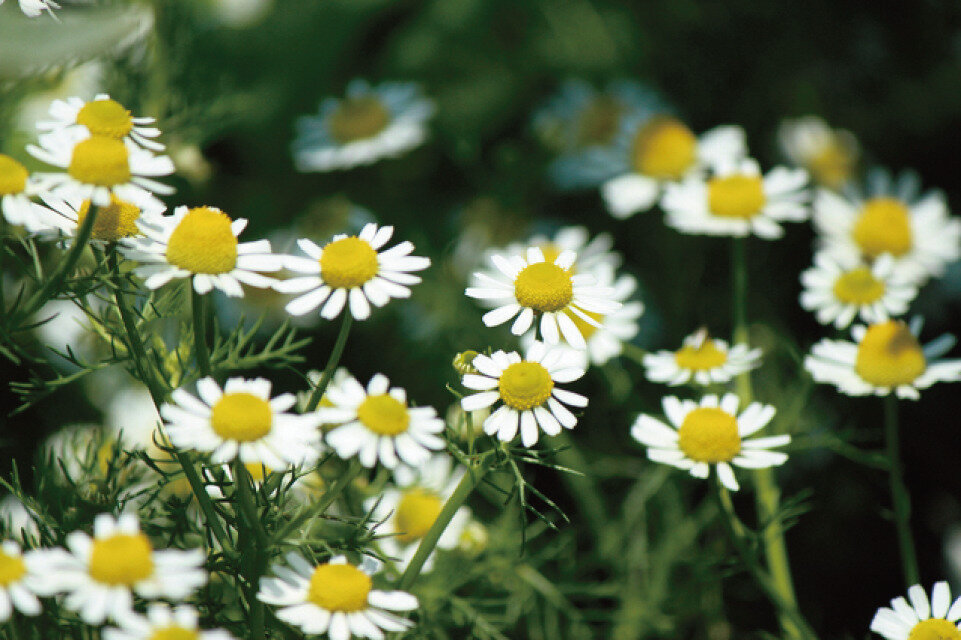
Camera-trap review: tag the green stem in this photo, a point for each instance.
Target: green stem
(332, 362)
(899, 492)
(319, 507)
(200, 330)
(253, 537)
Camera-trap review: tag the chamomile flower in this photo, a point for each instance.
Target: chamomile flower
(891, 217)
(921, 618)
(98, 167)
(736, 200)
(33, 8)
(592, 253)
(841, 286)
(15, 190)
(885, 357)
(368, 124)
(114, 222)
(703, 359)
(164, 623)
(829, 155)
(652, 152)
(351, 270)
(101, 116)
(527, 391)
(549, 289)
(17, 582)
(100, 574)
(710, 432)
(242, 420)
(408, 511)
(201, 243)
(335, 598)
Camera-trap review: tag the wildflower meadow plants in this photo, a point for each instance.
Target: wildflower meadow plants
(291, 384)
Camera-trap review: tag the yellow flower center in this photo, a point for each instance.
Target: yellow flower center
(339, 587)
(257, 470)
(115, 221)
(384, 415)
(415, 514)
(884, 226)
(348, 263)
(105, 118)
(525, 385)
(703, 358)
(121, 559)
(241, 416)
(934, 629)
(889, 355)
(358, 118)
(13, 176)
(544, 287)
(550, 251)
(664, 148)
(832, 165)
(858, 286)
(203, 242)
(174, 633)
(587, 330)
(100, 161)
(709, 435)
(12, 568)
(736, 196)
(599, 121)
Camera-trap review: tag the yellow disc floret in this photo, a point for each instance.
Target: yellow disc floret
(525, 385)
(175, 633)
(105, 118)
(121, 559)
(203, 242)
(884, 226)
(664, 148)
(832, 165)
(709, 435)
(115, 221)
(703, 358)
(889, 355)
(935, 629)
(415, 514)
(339, 587)
(384, 415)
(544, 287)
(358, 119)
(12, 568)
(241, 416)
(13, 176)
(100, 161)
(348, 263)
(736, 196)
(599, 121)
(858, 286)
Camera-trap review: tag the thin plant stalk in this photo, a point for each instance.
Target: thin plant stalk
(254, 538)
(318, 508)
(200, 330)
(900, 497)
(332, 363)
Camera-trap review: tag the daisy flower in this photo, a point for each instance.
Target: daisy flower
(376, 423)
(114, 222)
(592, 253)
(17, 582)
(241, 420)
(891, 217)
(527, 391)
(829, 155)
(703, 359)
(336, 598)
(841, 286)
(653, 151)
(550, 289)
(33, 8)
(100, 574)
(96, 167)
(408, 512)
(101, 116)
(164, 623)
(710, 433)
(884, 357)
(201, 243)
(351, 270)
(736, 200)
(15, 190)
(921, 618)
(369, 124)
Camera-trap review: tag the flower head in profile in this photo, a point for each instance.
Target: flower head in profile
(377, 423)
(701, 359)
(527, 391)
(885, 357)
(829, 155)
(17, 581)
(367, 125)
(710, 433)
(164, 622)
(335, 598)
(33, 8)
(114, 222)
(16, 187)
(737, 200)
(921, 618)
(351, 271)
(100, 574)
(101, 116)
(242, 421)
(201, 243)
